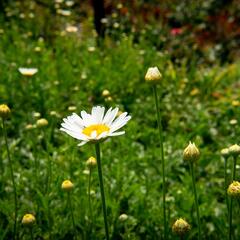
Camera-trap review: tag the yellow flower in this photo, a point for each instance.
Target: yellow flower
(234, 189)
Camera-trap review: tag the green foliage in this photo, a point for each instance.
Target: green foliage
(198, 103)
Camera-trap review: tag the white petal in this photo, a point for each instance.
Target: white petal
(98, 113)
(93, 134)
(82, 143)
(73, 134)
(120, 123)
(87, 118)
(108, 120)
(102, 135)
(116, 134)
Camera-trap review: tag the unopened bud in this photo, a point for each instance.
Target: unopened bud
(191, 153)
(234, 150)
(4, 111)
(234, 189)
(181, 227)
(67, 185)
(153, 75)
(91, 162)
(28, 220)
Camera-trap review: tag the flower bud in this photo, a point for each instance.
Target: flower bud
(105, 93)
(191, 153)
(153, 75)
(234, 150)
(42, 122)
(67, 185)
(91, 162)
(123, 217)
(4, 111)
(234, 189)
(28, 220)
(181, 227)
(225, 152)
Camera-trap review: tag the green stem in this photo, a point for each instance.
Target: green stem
(13, 181)
(160, 129)
(31, 233)
(89, 199)
(98, 155)
(196, 199)
(71, 210)
(231, 201)
(225, 183)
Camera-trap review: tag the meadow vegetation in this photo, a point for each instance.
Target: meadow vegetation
(199, 102)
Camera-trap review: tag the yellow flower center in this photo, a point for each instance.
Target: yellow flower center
(99, 128)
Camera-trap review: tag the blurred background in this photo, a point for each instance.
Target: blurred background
(208, 28)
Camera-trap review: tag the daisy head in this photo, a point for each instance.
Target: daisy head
(28, 71)
(96, 126)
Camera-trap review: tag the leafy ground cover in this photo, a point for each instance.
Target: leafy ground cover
(200, 103)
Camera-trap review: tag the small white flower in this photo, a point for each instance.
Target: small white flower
(28, 71)
(95, 126)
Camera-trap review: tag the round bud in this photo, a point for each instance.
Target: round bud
(225, 152)
(153, 75)
(67, 185)
(234, 189)
(181, 227)
(28, 220)
(91, 162)
(234, 150)
(123, 217)
(105, 93)
(42, 122)
(4, 111)
(191, 153)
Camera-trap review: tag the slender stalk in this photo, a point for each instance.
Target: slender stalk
(160, 129)
(231, 200)
(71, 210)
(13, 181)
(89, 197)
(31, 233)
(98, 155)
(196, 199)
(225, 183)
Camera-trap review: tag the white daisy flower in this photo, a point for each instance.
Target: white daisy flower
(95, 126)
(28, 71)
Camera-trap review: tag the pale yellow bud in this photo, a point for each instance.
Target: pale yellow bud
(181, 227)
(123, 217)
(91, 162)
(234, 150)
(28, 220)
(105, 93)
(191, 153)
(234, 189)
(153, 75)
(42, 122)
(67, 185)
(4, 111)
(225, 152)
